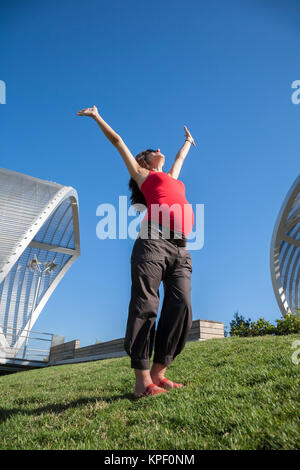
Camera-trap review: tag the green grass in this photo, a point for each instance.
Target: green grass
(241, 393)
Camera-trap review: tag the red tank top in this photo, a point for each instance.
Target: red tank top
(164, 191)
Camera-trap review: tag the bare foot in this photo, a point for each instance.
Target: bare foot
(166, 383)
(151, 389)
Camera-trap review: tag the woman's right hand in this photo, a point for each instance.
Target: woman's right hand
(92, 112)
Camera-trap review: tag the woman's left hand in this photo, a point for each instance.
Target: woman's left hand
(188, 135)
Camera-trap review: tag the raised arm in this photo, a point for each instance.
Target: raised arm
(182, 153)
(133, 167)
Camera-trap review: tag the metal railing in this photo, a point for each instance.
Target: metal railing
(35, 348)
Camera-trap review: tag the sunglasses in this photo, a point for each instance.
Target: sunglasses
(146, 152)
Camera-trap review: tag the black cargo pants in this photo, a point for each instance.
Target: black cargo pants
(153, 261)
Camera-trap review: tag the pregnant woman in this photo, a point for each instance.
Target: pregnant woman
(159, 254)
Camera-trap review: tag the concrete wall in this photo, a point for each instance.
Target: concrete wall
(201, 330)
(63, 351)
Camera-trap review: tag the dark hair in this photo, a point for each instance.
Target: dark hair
(137, 196)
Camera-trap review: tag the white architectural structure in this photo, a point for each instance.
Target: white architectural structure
(285, 252)
(39, 241)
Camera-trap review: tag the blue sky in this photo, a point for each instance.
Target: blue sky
(223, 69)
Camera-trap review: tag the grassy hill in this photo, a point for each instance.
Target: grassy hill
(241, 393)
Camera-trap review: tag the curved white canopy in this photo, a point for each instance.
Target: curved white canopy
(285, 252)
(38, 221)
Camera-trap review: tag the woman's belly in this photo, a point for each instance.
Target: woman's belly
(178, 216)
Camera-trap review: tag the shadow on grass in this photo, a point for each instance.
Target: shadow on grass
(58, 408)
